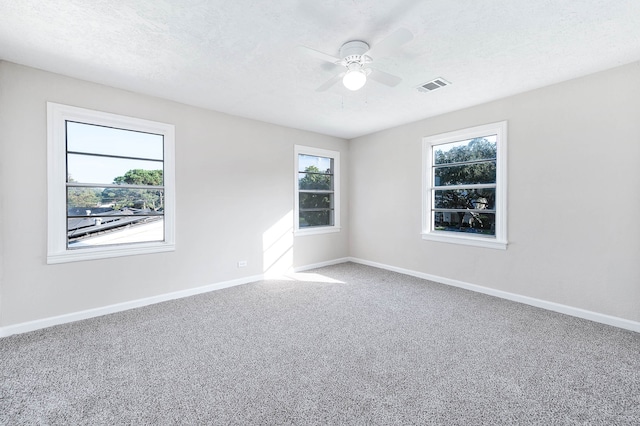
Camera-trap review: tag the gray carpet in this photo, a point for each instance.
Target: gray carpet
(374, 348)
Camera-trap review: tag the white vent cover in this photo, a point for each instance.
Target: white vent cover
(432, 85)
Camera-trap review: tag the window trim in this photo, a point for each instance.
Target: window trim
(335, 155)
(57, 251)
(500, 240)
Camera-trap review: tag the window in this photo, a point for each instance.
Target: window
(317, 191)
(111, 185)
(465, 186)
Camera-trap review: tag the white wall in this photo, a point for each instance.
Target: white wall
(234, 186)
(573, 196)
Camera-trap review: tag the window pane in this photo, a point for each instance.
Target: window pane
(91, 169)
(470, 222)
(95, 139)
(479, 199)
(468, 174)
(483, 148)
(315, 181)
(107, 230)
(316, 218)
(81, 199)
(315, 201)
(313, 163)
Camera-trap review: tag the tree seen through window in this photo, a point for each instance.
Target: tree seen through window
(316, 194)
(464, 177)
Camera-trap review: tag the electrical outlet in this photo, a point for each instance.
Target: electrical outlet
(242, 263)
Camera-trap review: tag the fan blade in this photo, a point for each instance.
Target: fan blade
(317, 54)
(389, 44)
(384, 78)
(332, 68)
(329, 83)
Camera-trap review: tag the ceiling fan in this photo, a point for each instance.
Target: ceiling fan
(356, 58)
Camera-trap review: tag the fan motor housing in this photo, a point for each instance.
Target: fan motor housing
(352, 51)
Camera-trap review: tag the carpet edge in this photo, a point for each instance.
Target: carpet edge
(539, 303)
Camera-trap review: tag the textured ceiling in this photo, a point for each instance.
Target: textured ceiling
(241, 56)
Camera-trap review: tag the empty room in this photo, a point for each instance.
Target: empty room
(319, 212)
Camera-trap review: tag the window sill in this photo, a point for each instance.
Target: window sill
(316, 230)
(107, 252)
(466, 240)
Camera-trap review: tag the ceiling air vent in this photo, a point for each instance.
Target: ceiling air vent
(432, 85)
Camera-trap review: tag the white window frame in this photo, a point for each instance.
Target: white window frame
(499, 241)
(57, 116)
(335, 155)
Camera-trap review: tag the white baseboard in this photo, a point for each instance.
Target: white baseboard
(551, 306)
(119, 307)
(321, 264)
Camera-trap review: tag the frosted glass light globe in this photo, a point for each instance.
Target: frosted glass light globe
(354, 79)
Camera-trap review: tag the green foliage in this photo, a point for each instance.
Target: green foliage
(140, 177)
(83, 197)
(315, 179)
(476, 149)
(466, 174)
(152, 199)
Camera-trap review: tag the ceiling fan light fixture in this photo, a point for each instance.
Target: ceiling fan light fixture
(356, 57)
(354, 79)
